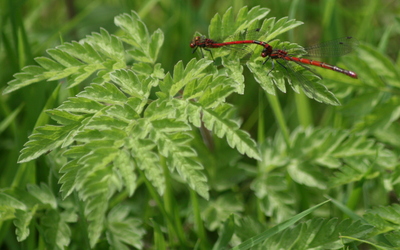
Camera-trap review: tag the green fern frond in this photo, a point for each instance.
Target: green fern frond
(22, 222)
(132, 84)
(350, 173)
(385, 219)
(316, 151)
(228, 25)
(95, 188)
(276, 198)
(215, 212)
(123, 230)
(171, 141)
(218, 121)
(69, 172)
(108, 45)
(267, 31)
(311, 87)
(194, 70)
(271, 29)
(45, 139)
(234, 70)
(148, 161)
(318, 234)
(145, 47)
(43, 194)
(100, 53)
(57, 234)
(112, 130)
(126, 170)
(94, 127)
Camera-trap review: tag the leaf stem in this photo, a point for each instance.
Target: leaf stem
(162, 206)
(201, 233)
(276, 108)
(303, 110)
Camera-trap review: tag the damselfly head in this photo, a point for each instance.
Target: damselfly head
(195, 42)
(266, 51)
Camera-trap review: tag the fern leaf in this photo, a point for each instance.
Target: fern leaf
(77, 61)
(235, 72)
(29, 75)
(194, 69)
(22, 222)
(183, 76)
(316, 91)
(108, 45)
(216, 212)
(63, 117)
(124, 230)
(124, 164)
(214, 96)
(95, 189)
(317, 234)
(305, 174)
(393, 238)
(57, 234)
(64, 58)
(271, 29)
(45, 139)
(227, 25)
(347, 174)
(146, 47)
(315, 151)
(83, 52)
(148, 162)
(67, 180)
(189, 170)
(385, 219)
(267, 83)
(275, 196)
(132, 84)
(210, 90)
(8, 205)
(107, 93)
(218, 121)
(43, 194)
(156, 41)
(81, 105)
(49, 65)
(171, 142)
(227, 231)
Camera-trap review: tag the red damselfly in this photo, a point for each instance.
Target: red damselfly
(287, 59)
(207, 43)
(337, 47)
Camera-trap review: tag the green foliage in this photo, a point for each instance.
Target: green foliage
(385, 219)
(268, 29)
(254, 241)
(319, 150)
(317, 234)
(123, 231)
(124, 153)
